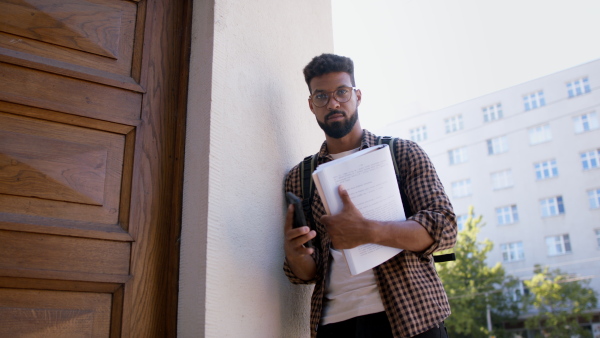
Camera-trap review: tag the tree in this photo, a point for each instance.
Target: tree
(473, 287)
(560, 300)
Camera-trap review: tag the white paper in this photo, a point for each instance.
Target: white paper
(370, 179)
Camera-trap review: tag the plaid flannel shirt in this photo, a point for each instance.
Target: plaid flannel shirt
(412, 293)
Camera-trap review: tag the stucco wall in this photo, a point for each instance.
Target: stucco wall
(248, 123)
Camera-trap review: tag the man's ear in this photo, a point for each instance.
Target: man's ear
(358, 97)
(310, 105)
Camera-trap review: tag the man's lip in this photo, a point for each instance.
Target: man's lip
(335, 116)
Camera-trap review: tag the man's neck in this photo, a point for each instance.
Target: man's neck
(348, 142)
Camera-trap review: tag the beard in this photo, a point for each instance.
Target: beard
(338, 129)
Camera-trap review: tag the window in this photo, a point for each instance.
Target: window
(507, 214)
(461, 188)
(585, 122)
(594, 198)
(558, 245)
(497, 145)
(460, 221)
(545, 169)
(502, 179)
(534, 100)
(540, 134)
(552, 206)
(512, 252)
(578, 87)
(590, 159)
(418, 134)
(454, 123)
(492, 113)
(457, 156)
(519, 291)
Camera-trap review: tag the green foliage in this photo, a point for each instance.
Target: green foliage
(559, 300)
(471, 285)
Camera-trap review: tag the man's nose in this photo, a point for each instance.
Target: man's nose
(333, 103)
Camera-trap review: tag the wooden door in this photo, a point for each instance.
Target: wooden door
(92, 116)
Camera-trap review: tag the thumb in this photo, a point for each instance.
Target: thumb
(345, 196)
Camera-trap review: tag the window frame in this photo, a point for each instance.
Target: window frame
(458, 155)
(552, 206)
(507, 214)
(512, 252)
(454, 123)
(565, 245)
(462, 186)
(418, 134)
(520, 291)
(586, 122)
(492, 112)
(497, 145)
(545, 169)
(594, 198)
(578, 87)
(502, 179)
(534, 100)
(590, 159)
(540, 134)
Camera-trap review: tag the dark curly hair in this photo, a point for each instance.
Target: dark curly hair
(328, 63)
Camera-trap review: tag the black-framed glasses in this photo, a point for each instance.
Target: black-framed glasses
(341, 95)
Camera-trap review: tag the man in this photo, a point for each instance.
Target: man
(402, 297)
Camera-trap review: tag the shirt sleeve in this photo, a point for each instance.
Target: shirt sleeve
(293, 184)
(426, 195)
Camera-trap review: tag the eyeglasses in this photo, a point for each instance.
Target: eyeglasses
(341, 95)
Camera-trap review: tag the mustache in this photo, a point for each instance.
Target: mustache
(333, 112)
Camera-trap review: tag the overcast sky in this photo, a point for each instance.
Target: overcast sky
(425, 55)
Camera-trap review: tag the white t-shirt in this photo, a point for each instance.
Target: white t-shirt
(348, 296)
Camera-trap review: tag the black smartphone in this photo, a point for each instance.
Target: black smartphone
(299, 219)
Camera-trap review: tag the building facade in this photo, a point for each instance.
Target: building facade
(528, 159)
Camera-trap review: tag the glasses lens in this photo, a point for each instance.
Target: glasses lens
(340, 95)
(343, 94)
(320, 99)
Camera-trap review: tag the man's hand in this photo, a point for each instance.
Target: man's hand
(349, 228)
(298, 257)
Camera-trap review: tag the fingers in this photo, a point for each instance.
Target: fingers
(345, 197)
(343, 192)
(295, 247)
(289, 218)
(295, 238)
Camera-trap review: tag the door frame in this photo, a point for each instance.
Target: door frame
(164, 77)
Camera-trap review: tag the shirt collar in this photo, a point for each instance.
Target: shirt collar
(368, 140)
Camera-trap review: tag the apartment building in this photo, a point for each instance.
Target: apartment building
(528, 159)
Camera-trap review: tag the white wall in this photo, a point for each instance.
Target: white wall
(248, 123)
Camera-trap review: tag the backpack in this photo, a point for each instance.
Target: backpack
(309, 165)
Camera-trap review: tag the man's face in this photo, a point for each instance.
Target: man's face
(335, 118)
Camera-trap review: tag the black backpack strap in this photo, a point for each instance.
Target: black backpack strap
(309, 164)
(407, 210)
(390, 142)
(444, 258)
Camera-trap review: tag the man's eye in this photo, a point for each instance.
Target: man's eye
(321, 96)
(342, 92)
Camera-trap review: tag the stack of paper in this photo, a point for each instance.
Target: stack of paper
(369, 177)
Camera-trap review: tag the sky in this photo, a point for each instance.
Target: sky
(414, 56)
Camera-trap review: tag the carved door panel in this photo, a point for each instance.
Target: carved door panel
(91, 121)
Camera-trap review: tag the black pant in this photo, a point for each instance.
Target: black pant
(374, 325)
